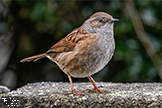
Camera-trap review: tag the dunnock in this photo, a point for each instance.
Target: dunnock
(84, 51)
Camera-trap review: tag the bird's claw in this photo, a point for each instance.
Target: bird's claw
(75, 92)
(96, 90)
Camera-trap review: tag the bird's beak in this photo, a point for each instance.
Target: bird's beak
(113, 20)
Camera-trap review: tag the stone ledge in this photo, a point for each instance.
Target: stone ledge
(53, 94)
(3, 89)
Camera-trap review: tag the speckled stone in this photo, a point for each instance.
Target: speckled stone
(53, 94)
(4, 89)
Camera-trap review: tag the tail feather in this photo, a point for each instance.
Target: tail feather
(34, 58)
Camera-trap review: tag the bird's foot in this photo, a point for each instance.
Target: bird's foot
(96, 90)
(75, 92)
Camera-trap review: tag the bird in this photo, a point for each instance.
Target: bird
(84, 51)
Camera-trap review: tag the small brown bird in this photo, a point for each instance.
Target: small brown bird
(84, 51)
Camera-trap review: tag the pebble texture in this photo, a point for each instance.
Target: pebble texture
(53, 94)
(3, 89)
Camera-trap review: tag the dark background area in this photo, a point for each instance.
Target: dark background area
(31, 27)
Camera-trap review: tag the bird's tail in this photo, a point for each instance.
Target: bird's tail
(34, 58)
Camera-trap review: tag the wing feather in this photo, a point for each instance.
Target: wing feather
(69, 42)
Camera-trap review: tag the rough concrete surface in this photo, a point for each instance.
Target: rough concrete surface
(4, 89)
(53, 94)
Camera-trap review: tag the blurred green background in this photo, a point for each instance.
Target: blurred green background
(31, 27)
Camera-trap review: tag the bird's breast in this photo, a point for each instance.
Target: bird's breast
(88, 57)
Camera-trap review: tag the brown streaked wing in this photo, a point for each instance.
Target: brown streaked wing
(69, 42)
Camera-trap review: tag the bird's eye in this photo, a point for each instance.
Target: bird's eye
(100, 20)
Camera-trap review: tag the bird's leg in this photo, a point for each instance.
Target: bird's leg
(95, 86)
(72, 88)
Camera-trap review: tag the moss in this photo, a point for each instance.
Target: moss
(2, 95)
